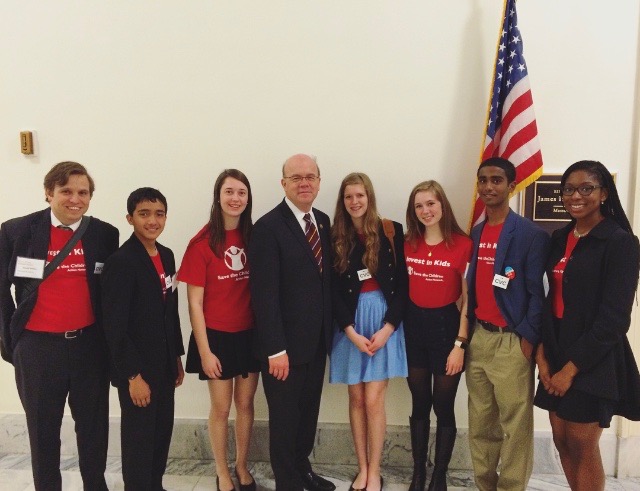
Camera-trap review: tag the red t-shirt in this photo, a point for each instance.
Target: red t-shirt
(487, 309)
(225, 281)
(157, 263)
(557, 304)
(370, 284)
(436, 280)
(64, 301)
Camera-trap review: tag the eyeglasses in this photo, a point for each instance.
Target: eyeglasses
(582, 190)
(298, 179)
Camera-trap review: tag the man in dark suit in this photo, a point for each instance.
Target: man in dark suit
(52, 333)
(506, 297)
(142, 326)
(289, 255)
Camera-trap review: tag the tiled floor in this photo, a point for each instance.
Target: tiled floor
(197, 475)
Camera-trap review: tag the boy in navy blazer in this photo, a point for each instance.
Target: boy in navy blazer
(506, 295)
(142, 326)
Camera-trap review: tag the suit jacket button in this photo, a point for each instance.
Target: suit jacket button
(348, 276)
(350, 290)
(392, 292)
(389, 264)
(391, 279)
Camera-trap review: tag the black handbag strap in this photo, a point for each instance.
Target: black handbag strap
(64, 252)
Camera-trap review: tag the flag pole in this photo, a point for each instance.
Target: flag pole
(486, 119)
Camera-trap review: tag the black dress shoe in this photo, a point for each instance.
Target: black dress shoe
(381, 483)
(314, 482)
(246, 487)
(218, 485)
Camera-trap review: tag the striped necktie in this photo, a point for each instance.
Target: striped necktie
(311, 232)
(64, 227)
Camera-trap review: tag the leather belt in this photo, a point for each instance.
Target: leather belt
(69, 334)
(488, 326)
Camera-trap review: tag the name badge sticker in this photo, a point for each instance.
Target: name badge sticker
(500, 281)
(98, 269)
(27, 267)
(168, 283)
(364, 274)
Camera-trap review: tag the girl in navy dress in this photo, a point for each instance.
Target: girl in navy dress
(587, 369)
(369, 298)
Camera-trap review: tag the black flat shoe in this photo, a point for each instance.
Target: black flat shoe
(245, 487)
(218, 485)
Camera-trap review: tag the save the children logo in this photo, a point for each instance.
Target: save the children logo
(235, 258)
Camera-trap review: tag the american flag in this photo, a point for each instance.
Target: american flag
(511, 130)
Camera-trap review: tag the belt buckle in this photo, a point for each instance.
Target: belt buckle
(71, 334)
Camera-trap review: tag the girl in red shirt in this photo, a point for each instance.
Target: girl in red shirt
(437, 253)
(217, 275)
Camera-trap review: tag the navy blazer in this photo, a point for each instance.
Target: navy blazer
(29, 236)
(391, 276)
(524, 246)
(290, 298)
(142, 328)
(598, 288)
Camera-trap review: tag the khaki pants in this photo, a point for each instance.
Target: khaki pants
(500, 384)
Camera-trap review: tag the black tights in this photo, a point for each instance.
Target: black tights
(442, 397)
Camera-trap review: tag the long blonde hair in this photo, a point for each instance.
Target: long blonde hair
(343, 232)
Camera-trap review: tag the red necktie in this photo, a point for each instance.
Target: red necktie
(311, 232)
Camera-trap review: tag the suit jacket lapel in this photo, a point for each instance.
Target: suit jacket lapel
(508, 230)
(89, 242)
(296, 230)
(168, 272)
(146, 263)
(40, 236)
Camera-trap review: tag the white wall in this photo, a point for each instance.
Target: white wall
(169, 93)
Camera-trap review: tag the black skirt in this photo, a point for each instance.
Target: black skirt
(233, 349)
(429, 336)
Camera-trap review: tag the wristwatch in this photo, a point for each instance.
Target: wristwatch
(460, 344)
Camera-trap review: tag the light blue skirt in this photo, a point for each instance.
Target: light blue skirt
(349, 365)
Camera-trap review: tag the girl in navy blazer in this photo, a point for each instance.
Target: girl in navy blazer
(587, 369)
(369, 296)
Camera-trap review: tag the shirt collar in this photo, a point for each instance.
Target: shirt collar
(299, 214)
(56, 223)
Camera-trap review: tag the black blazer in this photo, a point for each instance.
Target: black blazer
(291, 300)
(28, 236)
(142, 328)
(598, 288)
(391, 275)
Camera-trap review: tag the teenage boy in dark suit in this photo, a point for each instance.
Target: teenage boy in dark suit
(142, 326)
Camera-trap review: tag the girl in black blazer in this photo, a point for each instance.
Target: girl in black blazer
(369, 295)
(587, 369)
